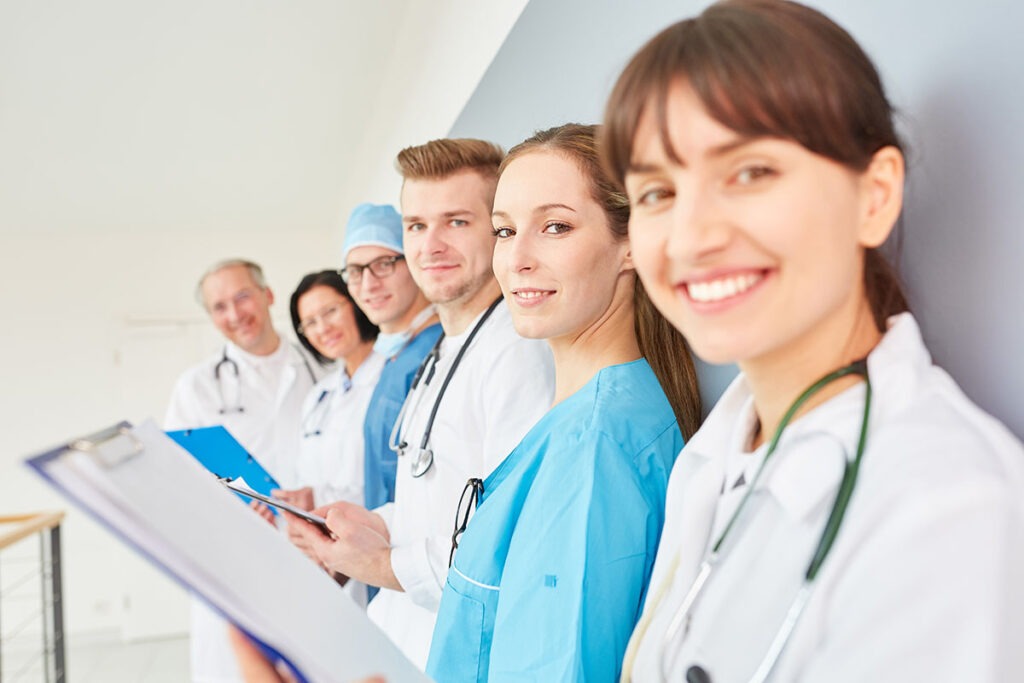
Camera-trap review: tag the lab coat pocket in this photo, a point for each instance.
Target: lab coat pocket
(465, 624)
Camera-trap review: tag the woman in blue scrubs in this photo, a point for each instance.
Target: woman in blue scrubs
(548, 578)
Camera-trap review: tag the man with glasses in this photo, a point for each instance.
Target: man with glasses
(379, 281)
(254, 386)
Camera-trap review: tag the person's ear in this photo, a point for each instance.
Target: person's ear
(270, 296)
(882, 192)
(627, 260)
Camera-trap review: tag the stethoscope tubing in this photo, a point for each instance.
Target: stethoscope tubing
(422, 463)
(227, 361)
(829, 534)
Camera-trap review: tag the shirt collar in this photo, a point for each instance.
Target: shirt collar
(814, 446)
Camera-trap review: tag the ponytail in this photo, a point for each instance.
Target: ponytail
(882, 286)
(669, 356)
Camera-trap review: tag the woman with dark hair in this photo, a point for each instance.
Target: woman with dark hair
(334, 330)
(549, 575)
(845, 513)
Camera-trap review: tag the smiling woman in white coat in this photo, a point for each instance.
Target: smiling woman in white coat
(331, 327)
(845, 513)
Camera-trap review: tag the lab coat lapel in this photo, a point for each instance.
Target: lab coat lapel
(701, 472)
(289, 375)
(697, 510)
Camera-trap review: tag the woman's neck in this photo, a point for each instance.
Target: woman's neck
(611, 340)
(357, 358)
(777, 379)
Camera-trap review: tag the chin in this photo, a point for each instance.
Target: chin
(715, 351)
(529, 329)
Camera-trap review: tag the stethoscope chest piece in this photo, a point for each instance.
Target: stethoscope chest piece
(422, 463)
(219, 377)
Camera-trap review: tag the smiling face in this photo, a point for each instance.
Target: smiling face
(328, 322)
(556, 259)
(390, 301)
(447, 239)
(240, 309)
(751, 247)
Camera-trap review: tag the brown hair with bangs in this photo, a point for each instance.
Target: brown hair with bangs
(439, 159)
(660, 343)
(766, 68)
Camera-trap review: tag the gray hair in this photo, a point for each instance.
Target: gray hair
(255, 272)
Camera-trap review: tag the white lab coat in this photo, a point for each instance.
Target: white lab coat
(331, 440)
(924, 580)
(502, 386)
(271, 389)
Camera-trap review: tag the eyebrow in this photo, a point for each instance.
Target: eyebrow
(447, 214)
(717, 151)
(544, 208)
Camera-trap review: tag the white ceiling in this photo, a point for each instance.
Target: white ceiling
(203, 115)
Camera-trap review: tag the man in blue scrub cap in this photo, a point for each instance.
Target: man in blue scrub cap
(379, 282)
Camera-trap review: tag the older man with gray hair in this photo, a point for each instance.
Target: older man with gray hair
(254, 386)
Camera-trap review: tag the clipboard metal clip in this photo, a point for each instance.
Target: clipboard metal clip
(111, 446)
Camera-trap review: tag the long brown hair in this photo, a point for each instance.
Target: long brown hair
(660, 343)
(766, 68)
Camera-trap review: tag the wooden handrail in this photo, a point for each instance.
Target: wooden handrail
(26, 525)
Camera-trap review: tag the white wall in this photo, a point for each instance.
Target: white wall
(441, 50)
(141, 141)
(86, 349)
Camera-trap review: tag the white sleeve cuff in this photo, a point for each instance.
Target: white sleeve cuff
(386, 512)
(415, 565)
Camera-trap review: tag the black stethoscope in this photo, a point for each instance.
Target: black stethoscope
(232, 365)
(681, 618)
(424, 457)
(313, 422)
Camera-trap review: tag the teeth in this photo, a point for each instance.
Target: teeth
(723, 288)
(530, 295)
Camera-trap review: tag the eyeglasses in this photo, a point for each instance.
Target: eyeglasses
(384, 266)
(474, 487)
(328, 316)
(240, 299)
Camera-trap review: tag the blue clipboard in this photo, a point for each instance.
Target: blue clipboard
(219, 452)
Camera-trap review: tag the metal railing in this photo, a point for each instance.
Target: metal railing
(31, 603)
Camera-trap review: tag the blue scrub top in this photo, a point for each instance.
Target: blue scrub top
(549, 578)
(380, 462)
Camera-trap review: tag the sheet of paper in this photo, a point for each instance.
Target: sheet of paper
(168, 506)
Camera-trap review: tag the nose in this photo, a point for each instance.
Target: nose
(433, 241)
(699, 227)
(519, 254)
(232, 314)
(369, 281)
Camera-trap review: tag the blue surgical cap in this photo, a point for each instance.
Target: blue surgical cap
(373, 225)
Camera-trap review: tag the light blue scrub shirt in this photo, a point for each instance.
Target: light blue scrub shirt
(549, 578)
(380, 462)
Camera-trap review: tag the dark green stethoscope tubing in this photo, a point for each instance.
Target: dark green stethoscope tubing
(850, 472)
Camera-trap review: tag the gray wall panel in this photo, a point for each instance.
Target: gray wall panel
(954, 70)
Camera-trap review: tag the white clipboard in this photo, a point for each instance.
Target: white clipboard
(151, 493)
